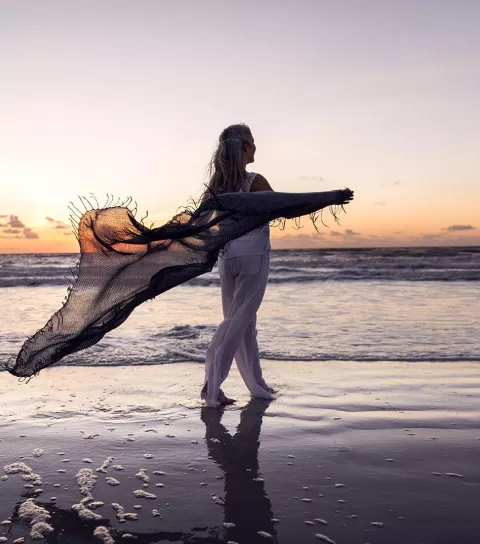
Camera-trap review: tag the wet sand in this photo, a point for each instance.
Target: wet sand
(358, 452)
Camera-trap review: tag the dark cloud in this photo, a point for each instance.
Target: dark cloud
(15, 222)
(398, 232)
(350, 232)
(29, 233)
(380, 203)
(335, 233)
(456, 228)
(58, 224)
(13, 229)
(10, 231)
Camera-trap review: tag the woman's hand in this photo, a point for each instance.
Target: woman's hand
(344, 197)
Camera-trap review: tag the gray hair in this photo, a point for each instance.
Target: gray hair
(226, 170)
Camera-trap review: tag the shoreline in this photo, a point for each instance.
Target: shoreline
(351, 444)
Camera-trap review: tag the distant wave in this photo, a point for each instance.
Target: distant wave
(287, 266)
(277, 277)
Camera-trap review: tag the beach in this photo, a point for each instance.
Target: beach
(347, 452)
(148, 146)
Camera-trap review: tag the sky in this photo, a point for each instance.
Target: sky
(128, 98)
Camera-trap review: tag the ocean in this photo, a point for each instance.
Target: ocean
(391, 304)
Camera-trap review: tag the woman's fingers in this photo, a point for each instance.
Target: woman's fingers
(347, 195)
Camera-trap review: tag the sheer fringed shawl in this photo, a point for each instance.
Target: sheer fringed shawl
(123, 263)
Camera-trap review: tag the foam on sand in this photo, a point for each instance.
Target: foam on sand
(27, 473)
(142, 475)
(324, 538)
(36, 517)
(103, 534)
(108, 461)
(140, 494)
(86, 481)
(123, 516)
(15, 468)
(84, 513)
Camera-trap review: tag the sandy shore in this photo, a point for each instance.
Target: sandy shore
(358, 452)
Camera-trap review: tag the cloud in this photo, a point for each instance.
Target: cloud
(456, 228)
(312, 178)
(68, 233)
(15, 222)
(380, 203)
(445, 231)
(397, 182)
(29, 233)
(335, 233)
(13, 229)
(440, 239)
(398, 232)
(10, 231)
(58, 224)
(428, 236)
(3, 216)
(350, 232)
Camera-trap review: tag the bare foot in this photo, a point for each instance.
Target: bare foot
(225, 400)
(222, 399)
(213, 404)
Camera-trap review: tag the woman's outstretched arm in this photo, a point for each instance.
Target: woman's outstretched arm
(339, 198)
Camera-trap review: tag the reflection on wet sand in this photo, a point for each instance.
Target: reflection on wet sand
(247, 509)
(247, 505)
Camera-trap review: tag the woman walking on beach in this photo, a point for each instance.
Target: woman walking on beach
(123, 263)
(244, 267)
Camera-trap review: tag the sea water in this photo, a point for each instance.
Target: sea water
(399, 304)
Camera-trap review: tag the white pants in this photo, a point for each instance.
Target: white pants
(243, 281)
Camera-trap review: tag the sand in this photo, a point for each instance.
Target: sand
(347, 453)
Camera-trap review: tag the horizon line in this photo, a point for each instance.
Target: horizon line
(281, 249)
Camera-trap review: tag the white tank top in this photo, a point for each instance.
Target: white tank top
(256, 242)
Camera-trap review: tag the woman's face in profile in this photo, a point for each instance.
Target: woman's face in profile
(249, 150)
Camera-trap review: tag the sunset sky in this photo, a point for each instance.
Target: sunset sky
(128, 98)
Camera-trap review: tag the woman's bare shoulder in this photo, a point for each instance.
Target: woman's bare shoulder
(260, 183)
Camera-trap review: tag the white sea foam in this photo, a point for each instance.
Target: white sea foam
(36, 517)
(86, 480)
(104, 535)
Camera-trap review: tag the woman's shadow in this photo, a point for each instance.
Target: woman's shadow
(246, 502)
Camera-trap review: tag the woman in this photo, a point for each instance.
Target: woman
(244, 268)
(123, 263)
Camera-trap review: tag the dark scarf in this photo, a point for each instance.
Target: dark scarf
(123, 263)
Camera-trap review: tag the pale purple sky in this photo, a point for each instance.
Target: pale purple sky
(128, 97)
